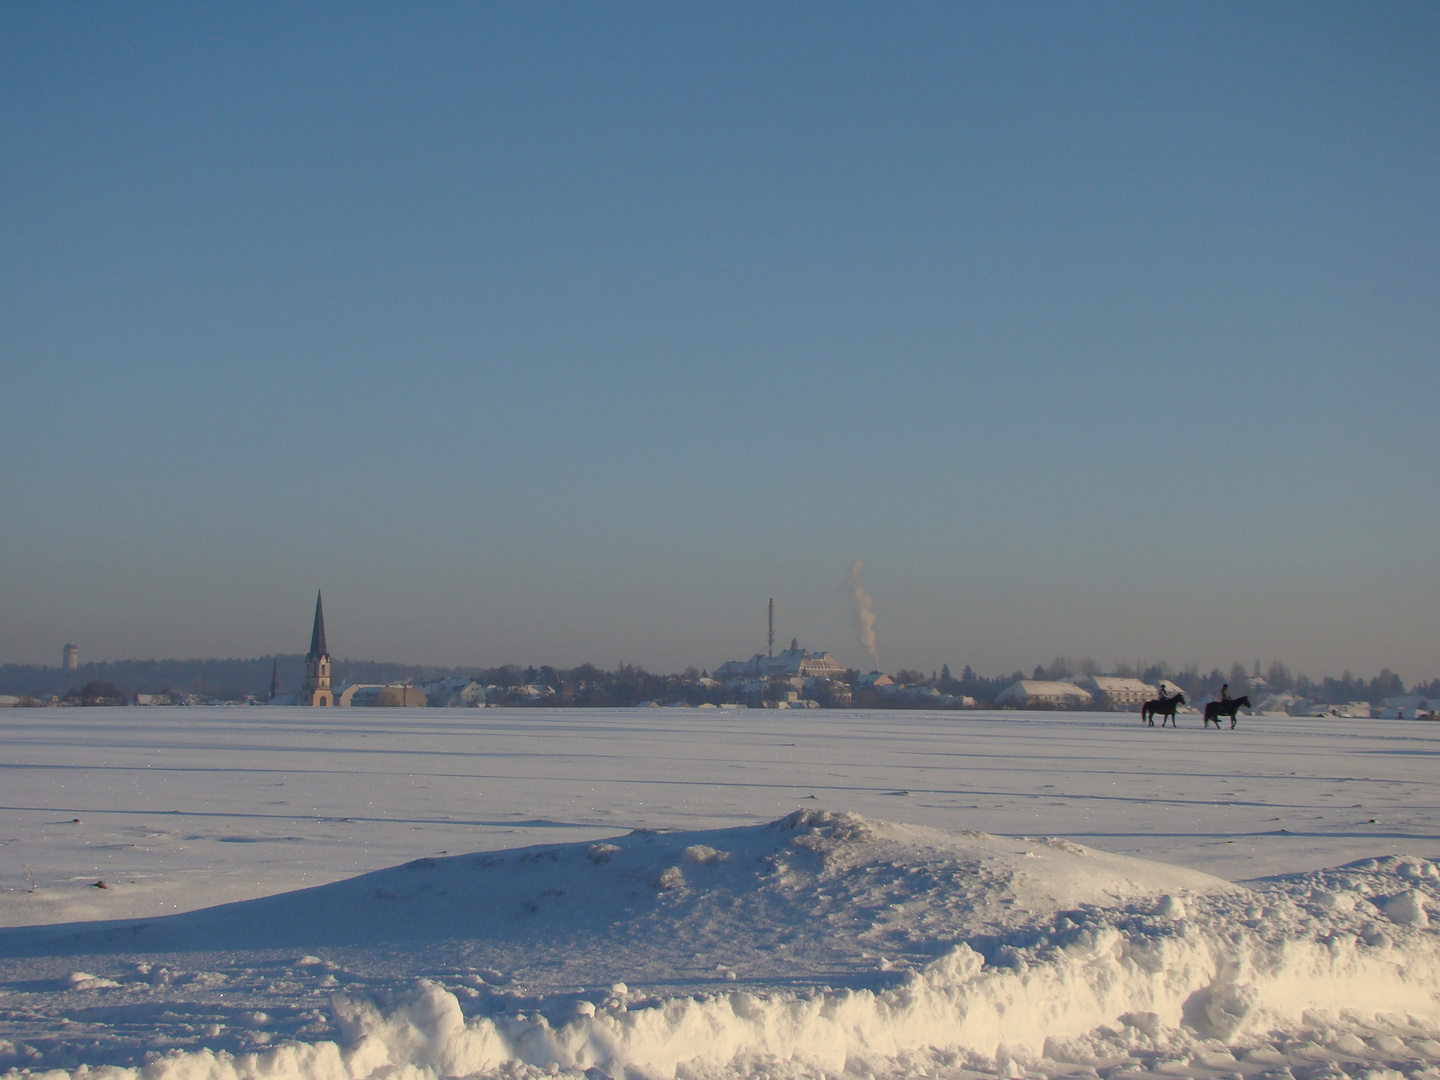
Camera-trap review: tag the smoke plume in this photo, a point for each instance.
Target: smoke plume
(864, 611)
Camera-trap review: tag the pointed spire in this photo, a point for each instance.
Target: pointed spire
(275, 679)
(317, 635)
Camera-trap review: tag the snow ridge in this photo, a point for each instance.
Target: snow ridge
(820, 944)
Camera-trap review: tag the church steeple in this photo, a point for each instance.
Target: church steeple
(317, 634)
(317, 663)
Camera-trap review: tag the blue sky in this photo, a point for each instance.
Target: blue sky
(555, 333)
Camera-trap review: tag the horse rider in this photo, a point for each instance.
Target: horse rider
(1225, 692)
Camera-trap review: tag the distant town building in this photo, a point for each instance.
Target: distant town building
(791, 663)
(71, 658)
(400, 697)
(1120, 692)
(1354, 709)
(316, 690)
(357, 694)
(457, 692)
(1040, 694)
(382, 695)
(1407, 707)
(832, 692)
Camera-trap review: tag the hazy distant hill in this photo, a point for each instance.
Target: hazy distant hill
(227, 679)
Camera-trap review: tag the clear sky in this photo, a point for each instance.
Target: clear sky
(573, 332)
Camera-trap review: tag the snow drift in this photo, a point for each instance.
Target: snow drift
(822, 943)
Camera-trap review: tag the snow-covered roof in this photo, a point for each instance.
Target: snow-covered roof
(1117, 684)
(1042, 689)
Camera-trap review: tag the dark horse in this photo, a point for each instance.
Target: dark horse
(1216, 709)
(1163, 707)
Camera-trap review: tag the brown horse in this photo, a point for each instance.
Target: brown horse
(1163, 707)
(1216, 709)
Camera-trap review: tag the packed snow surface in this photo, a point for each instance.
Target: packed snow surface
(650, 894)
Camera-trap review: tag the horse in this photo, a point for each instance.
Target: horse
(1162, 707)
(1216, 709)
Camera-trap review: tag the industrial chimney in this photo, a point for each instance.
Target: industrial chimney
(770, 640)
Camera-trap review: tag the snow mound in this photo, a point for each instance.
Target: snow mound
(820, 944)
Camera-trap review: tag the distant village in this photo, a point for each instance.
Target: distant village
(788, 678)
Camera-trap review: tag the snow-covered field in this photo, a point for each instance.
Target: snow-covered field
(654, 893)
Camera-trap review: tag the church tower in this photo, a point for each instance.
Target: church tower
(317, 664)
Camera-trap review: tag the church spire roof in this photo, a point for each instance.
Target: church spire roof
(317, 635)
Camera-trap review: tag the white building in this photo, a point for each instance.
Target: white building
(1040, 694)
(1360, 710)
(1122, 693)
(1408, 707)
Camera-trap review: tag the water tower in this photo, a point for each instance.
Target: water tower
(72, 658)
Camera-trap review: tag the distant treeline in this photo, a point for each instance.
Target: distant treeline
(588, 685)
(222, 680)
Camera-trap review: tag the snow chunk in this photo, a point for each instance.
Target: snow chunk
(704, 855)
(1340, 902)
(1408, 909)
(1171, 907)
(602, 853)
(83, 980)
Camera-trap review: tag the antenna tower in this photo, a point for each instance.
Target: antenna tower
(770, 640)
